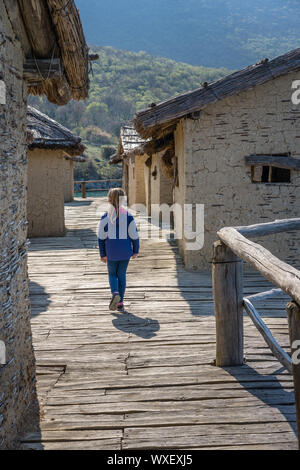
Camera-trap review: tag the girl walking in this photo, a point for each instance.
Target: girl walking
(118, 243)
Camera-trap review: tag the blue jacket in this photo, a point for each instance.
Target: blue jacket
(115, 242)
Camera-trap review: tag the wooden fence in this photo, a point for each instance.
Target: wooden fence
(85, 190)
(229, 253)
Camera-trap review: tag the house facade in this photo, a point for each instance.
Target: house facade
(28, 35)
(237, 153)
(50, 174)
(144, 179)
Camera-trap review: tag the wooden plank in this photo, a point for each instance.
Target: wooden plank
(192, 442)
(99, 376)
(37, 70)
(278, 161)
(65, 436)
(104, 444)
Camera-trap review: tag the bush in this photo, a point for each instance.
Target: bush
(108, 151)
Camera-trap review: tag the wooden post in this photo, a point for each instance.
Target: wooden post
(293, 314)
(83, 190)
(228, 299)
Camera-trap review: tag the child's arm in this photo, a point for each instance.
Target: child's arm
(134, 236)
(102, 235)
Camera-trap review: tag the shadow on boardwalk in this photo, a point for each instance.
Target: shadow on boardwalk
(273, 395)
(127, 322)
(267, 388)
(195, 286)
(78, 203)
(39, 299)
(74, 239)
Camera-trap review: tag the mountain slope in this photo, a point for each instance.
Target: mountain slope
(213, 33)
(122, 82)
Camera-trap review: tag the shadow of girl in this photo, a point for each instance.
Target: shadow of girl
(145, 328)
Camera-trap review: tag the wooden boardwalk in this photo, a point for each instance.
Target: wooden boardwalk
(146, 379)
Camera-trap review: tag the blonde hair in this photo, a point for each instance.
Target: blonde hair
(114, 196)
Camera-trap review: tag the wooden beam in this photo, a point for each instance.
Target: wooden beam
(293, 314)
(37, 70)
(269, 294)
(276, 349)
(276, 271)
(279, 161)
(228, 300)
(38, 25)
(269, 228)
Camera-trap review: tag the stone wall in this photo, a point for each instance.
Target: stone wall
(211, 152)
(46, 181)
(17, 377)
(69, 180)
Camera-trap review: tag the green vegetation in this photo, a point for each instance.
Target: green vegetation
(97, 165)
(122, 83)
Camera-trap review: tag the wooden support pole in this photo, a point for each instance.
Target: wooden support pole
(293, 314)
(228, 300)
(83, 190)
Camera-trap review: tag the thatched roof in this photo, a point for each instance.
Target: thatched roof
(131, 144)
(162, 118)
(52, 30)
(49, 134)
(129, 139)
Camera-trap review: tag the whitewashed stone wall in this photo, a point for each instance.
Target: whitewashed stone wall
(212, 171)
(17, 377)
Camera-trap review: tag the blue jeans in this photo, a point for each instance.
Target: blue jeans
(117, 276)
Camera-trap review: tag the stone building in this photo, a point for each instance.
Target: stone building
(236, 151)
(50, 174)
(48, 49)
(144, 177)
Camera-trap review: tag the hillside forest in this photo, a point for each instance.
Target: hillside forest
(121, 83)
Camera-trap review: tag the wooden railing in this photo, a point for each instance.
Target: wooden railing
(84, 189)
(229, 253)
